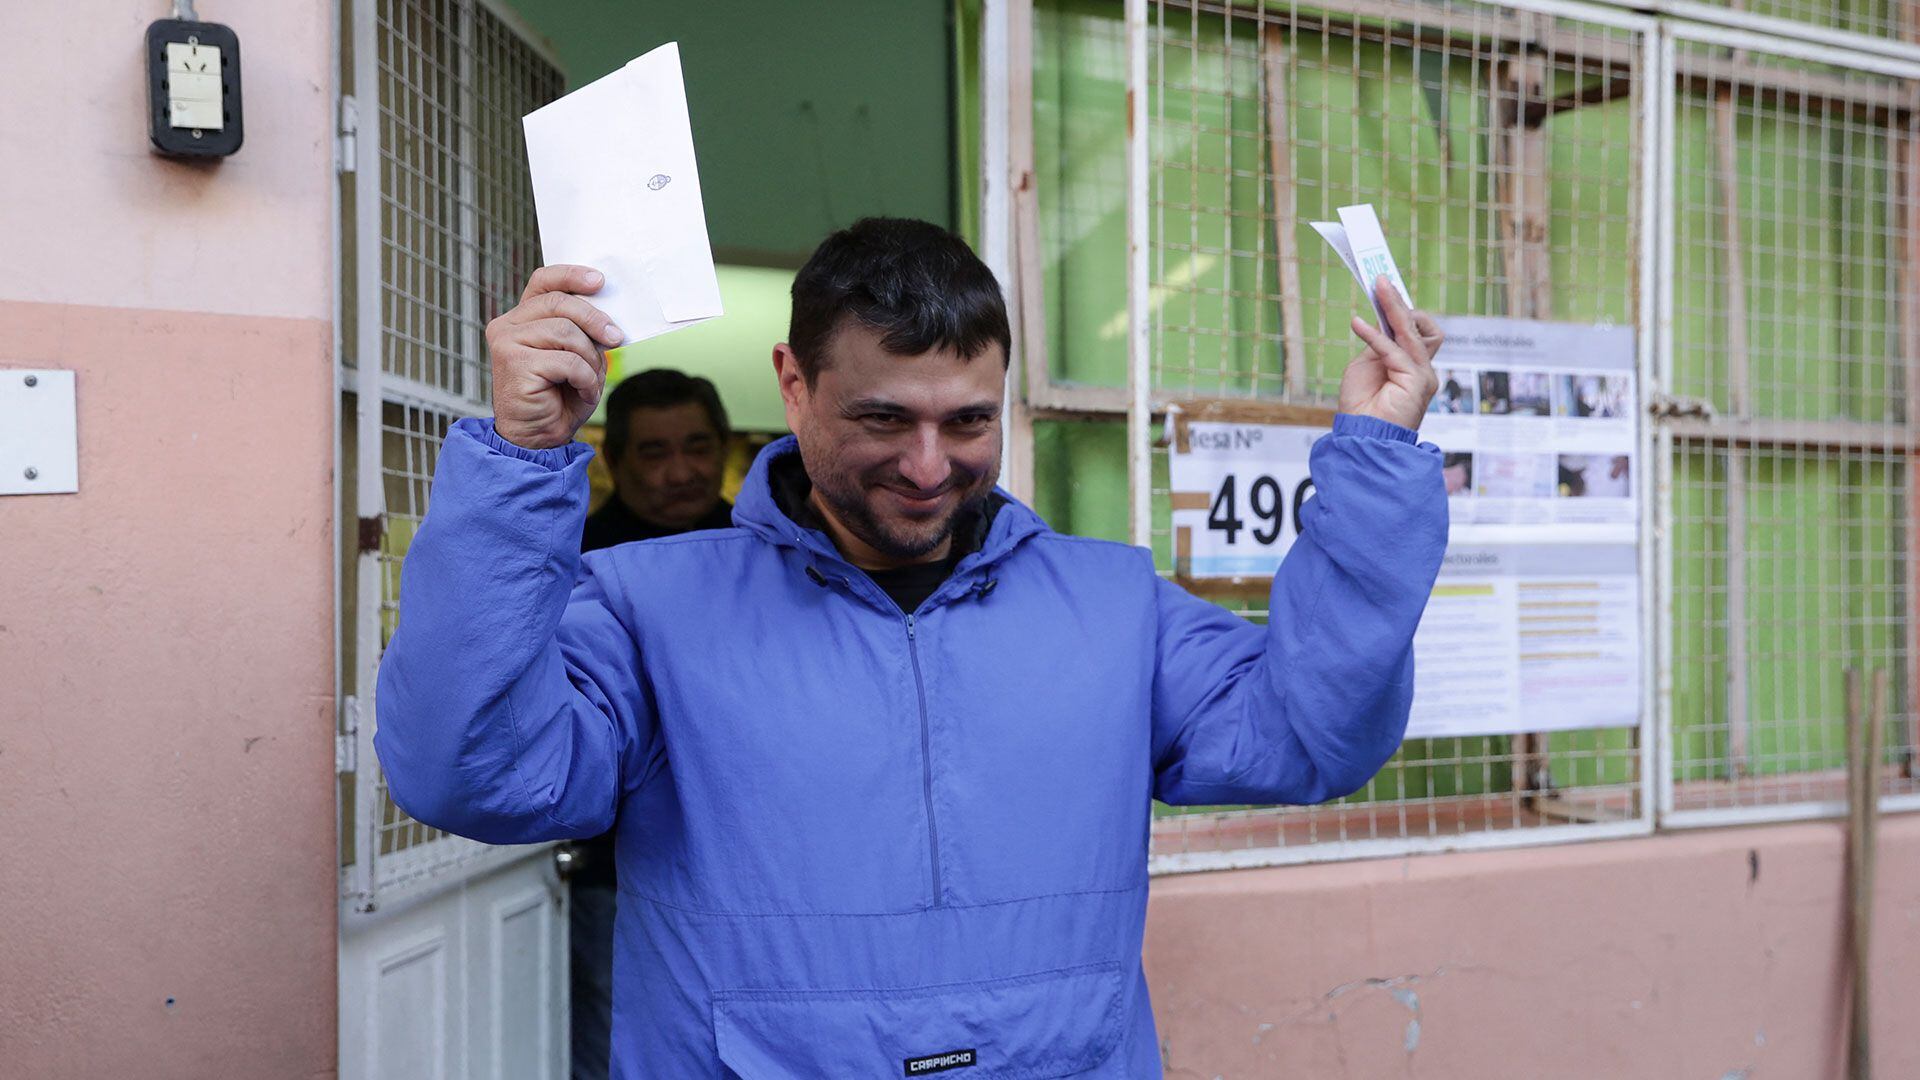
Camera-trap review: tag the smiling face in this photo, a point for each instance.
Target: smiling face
(896, 446)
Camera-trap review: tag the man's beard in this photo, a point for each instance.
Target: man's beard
(854, 512)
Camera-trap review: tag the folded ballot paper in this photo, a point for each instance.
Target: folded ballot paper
(615, 189)
(1357, 239)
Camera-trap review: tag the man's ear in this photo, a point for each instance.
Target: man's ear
(792, 382)
(786, 368)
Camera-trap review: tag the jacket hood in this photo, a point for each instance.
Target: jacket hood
(758, 511)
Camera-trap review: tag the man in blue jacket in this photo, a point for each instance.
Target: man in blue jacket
(879, 758)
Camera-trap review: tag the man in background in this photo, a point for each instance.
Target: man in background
(666, 447)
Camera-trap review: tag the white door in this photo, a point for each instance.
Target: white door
(452, 953)
(469, 981)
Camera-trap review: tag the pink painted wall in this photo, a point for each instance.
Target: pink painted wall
(1711, 954)
(92, 217)
(167, 848)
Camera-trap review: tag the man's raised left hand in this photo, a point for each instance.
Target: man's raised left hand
(1394, 378)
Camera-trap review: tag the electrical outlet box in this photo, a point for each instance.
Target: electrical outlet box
(193, 89)
(39, 432)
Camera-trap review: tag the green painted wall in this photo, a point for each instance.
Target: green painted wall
(805, 116)
(734, 350)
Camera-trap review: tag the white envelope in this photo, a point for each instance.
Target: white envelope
(615, 188)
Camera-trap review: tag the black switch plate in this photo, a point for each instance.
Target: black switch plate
(182, 142)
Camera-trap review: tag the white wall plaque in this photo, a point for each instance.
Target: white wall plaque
(39, 439)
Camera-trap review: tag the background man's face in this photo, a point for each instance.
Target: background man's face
(671, 470)
(897, 446)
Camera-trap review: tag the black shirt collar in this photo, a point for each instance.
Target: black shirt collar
(616, 523)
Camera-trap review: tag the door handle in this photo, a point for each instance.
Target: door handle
(567, 861)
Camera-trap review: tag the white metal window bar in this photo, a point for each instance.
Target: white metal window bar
(1878, 27)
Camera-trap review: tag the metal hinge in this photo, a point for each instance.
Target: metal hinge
(347, 142)
(346, 745)
(372, 531)
(1669, 406)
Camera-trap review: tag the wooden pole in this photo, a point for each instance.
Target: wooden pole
(1864, 749)
(1520, 173)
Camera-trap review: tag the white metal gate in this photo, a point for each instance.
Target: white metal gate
(443, 240)
(453, 954)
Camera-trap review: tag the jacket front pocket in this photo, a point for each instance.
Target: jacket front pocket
(1050, 1023)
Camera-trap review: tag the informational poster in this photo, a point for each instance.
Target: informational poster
(1529, 637)
(1534, 623)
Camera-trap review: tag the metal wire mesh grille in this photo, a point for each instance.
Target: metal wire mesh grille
(1792, 347)
(457, 224)
(421, 183)
(458, 238)
(410, 438)
(1506, 174)
(1505, 153)
(509, 80)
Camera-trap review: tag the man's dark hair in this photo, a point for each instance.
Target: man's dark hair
(658, 388)
(917, 284)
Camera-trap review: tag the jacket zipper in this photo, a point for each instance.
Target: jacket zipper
(926, 760)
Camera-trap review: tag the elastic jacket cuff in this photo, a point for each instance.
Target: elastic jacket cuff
(555, 458)
(1372, 427)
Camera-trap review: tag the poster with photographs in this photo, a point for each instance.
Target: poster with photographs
(1534, 623)
(1536, 421)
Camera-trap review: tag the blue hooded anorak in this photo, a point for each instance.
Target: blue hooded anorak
(859, 842)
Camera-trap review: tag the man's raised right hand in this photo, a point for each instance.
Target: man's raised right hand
(548, 370)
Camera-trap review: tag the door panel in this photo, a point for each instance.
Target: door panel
(470, 981)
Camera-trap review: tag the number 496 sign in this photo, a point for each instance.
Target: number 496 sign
(1237, 493)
